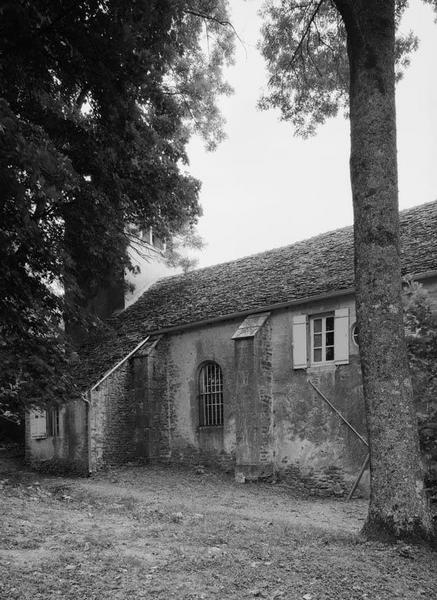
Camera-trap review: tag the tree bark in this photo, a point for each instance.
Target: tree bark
(398, 505)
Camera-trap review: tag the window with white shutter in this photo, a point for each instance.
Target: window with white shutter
(300, 358)
(341, 327)
(328, 336)
(38, 424)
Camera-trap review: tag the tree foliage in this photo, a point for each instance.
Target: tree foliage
(176, 254)
(421, 335)
(304, 45)
(98, 100)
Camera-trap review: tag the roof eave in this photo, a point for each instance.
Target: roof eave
(271, 307)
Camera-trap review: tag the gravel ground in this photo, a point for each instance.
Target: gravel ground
(164, 533)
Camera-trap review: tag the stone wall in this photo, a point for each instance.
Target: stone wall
(253, 364)
(129, 411)
(113, 420)
(188, 442)
(312, 446)
(263, 356)
(158, 408)
(274, 422)
(66, 452)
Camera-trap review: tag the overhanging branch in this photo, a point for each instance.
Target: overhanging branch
(306, 31)
(218, 20)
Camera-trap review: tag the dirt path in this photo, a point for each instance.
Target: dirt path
(188, 492)
(160, 533)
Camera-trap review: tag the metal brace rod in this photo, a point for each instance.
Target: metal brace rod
(119, 364)
(338, 413)
(86, 397)
(358, 479)
(366, 460)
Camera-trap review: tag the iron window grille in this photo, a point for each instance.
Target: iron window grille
(53, 422)
(211, 395)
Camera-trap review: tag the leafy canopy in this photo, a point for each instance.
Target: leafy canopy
(421, 335)
(98, 100)
(304, 45)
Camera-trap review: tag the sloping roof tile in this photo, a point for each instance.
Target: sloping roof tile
(309, 268)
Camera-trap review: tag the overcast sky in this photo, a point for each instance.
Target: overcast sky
(264, 188)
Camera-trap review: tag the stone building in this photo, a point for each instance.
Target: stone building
(226, 364)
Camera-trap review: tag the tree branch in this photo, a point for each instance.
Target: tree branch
(305, 33)
(334, 53)
(311, 57)
(223, 22)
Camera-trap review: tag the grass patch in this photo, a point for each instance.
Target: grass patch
(162, 534)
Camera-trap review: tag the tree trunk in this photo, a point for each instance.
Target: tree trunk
(398, 505)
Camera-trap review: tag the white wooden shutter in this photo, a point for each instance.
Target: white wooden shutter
(341, 336)
(300, 341)
(38, 424)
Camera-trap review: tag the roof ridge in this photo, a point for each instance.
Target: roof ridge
(324, 234)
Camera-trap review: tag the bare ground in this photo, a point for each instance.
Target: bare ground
(157, 532)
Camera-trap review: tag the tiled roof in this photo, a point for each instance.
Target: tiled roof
(316, 266)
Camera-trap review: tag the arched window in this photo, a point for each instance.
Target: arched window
(210, 395)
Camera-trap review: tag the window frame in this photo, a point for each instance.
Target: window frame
(354, 334)
(38, 424)
(324, 331)
(210, 401)
(53, 427)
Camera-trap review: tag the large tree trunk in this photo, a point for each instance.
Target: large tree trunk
(398, 505)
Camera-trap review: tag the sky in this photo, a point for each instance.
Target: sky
(264, 188)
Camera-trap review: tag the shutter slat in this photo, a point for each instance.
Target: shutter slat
(300, 342)
(341, 336)
(38, 424)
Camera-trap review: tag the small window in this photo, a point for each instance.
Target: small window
(325, 341)
(322, 339)
(355, 334)
(38, 424)
(53, 422)
(211, 395)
